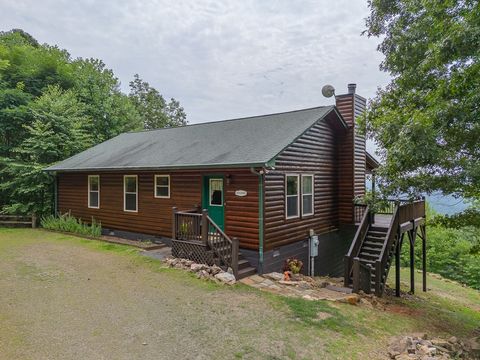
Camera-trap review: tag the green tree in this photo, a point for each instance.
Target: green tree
(154, 110)
(58, 130)
(111, 111)
(427, 120)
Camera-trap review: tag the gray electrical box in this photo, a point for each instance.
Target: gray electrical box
(314, 245)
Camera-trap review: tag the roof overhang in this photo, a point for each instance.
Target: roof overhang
(371, 162)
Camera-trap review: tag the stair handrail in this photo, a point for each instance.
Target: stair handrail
(380, 264)
(215, 245)
(356, 245)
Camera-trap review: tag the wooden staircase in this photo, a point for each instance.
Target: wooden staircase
(375, 245)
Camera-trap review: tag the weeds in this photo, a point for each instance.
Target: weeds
(70, 224)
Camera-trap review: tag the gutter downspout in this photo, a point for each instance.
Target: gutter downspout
(260, 217)
(55, 194)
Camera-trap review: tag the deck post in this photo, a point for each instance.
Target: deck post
(356, 274)
(424, 256)
(34, 221)
(205, 226)
(235, 253)
(397, 264)
(174, 222)
(378, 278)
(412, 261)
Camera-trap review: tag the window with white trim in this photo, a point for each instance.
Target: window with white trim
(162, 186)
(94, 191)
(307, 195)
(292, 199)
(130, 193)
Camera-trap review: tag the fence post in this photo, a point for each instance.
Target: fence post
(205, 226)
(346, 274)
(235, 253)
(174, 222)
(356, 274)
(34, 221)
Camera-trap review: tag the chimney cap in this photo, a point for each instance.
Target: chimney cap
(351, 88)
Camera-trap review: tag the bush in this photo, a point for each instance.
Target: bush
(68, 223)
(294, 265)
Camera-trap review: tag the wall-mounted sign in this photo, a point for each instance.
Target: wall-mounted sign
(240, 193)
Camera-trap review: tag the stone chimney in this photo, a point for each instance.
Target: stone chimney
(351, 153)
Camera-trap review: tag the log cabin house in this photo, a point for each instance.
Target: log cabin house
(245, 193)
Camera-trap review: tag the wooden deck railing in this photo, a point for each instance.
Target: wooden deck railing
(358, 211)
(356, 245)
(192, 226)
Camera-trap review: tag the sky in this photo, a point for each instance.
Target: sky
(220, 59)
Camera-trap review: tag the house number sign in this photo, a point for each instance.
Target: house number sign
(240, 193)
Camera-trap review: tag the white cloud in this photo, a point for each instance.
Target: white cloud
(221, 59)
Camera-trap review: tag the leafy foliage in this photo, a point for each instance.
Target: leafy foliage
(52, 107)
(154, 110)
(426, 121)
(452, 253)
(68, 223)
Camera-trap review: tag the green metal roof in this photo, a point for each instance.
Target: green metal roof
(252, 141)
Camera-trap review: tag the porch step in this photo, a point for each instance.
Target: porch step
(247, 271)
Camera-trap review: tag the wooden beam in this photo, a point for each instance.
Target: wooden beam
(397, 264)
(423, 230)
(412, 262)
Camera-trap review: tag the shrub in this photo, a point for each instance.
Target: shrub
(294, 265)
(68, 223)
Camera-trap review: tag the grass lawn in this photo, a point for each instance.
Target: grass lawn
(63, 297)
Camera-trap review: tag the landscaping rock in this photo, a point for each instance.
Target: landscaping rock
(198, 267)
(226, 278)
(275, 276)
(214, 270)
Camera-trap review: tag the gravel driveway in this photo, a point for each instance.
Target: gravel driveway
(66, 298)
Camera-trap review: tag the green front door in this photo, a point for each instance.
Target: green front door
(213, 199)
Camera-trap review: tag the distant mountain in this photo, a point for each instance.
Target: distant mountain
(446, 204)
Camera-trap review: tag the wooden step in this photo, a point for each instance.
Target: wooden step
(379, 229)
(248, 271)
(368, 256)
(373, 244)
(375, 239)
(242, 264)
(377, 234)
(372, 249)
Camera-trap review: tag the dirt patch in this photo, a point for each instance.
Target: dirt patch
(403, 310)
(64, 300)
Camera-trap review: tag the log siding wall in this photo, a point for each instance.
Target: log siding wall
(154, 215)
(312, 153)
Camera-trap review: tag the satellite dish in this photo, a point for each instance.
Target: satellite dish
(328, 91)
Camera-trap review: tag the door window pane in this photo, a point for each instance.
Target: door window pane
(216, 192)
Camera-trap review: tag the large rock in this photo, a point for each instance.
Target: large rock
(214, 270)
(226, 278)
(275, 276)
(198, 267)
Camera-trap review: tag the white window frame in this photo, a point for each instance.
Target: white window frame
(312, 194)
(210, 192)
(163, 186)
(125, 193)
(287, 196)
(97, 191)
